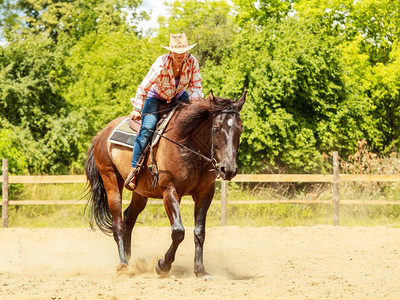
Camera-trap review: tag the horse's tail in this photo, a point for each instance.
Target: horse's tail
(97, 207)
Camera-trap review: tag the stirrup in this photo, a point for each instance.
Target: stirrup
(130, 182)
(131, 186)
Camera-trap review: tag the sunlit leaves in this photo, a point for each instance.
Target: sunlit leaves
(208, 23)
(105, 72)
(320, 74)
(74, 19)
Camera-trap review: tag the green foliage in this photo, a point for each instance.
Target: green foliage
(295, 88)
(384, 90)
(370, 30)
(377, 22)
(46, 133)
(261, 12)
(207, 23)
(37, 70)
(321, 75)
(74, 19)
(29, 78)
(65, 150)
(105, 71)
(9, 149)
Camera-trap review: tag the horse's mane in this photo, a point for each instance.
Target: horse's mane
(197, 112)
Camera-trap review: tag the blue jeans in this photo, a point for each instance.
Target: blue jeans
(149, 122)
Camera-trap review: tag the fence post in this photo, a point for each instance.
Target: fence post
(335, 188)
(223, 202)
(4, 209)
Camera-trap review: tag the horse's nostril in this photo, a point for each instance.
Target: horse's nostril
(227, 173)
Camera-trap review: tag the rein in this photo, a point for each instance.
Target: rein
(212, 159)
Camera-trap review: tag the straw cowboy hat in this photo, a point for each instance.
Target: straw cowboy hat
(178, 43)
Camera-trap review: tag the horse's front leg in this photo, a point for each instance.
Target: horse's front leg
(171, 203)
(202, 203)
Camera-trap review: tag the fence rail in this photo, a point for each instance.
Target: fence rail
(184, 201)
(328, 178)
(334, 178)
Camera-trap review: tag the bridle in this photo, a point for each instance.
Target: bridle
(214, 161)
(211, 159)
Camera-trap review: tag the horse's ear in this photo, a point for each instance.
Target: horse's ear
(211, 96)
(239, 104)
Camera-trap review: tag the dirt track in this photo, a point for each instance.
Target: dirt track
(246, 263)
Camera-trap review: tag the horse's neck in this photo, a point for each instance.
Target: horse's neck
(201, 138)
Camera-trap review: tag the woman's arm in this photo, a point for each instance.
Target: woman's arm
(146, 84)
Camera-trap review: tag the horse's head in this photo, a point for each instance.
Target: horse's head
(227, 128)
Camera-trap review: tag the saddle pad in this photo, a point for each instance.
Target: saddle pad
(123, 134)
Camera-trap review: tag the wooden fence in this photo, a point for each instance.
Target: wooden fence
(334, 179)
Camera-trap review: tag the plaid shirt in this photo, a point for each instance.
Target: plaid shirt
(161, 79)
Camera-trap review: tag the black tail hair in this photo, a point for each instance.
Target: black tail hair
(97, 207)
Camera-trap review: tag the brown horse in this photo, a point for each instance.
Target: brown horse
(199, 143)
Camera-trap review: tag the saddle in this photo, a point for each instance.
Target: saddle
(126, 132)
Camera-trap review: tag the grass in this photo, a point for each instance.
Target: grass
(254, 215)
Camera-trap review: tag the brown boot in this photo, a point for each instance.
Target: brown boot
(130, 182)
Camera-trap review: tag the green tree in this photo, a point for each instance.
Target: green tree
(46, 133)
(377, 22)
(261, 12)
(207, 23)
(72, 18)
(296, 95)
(384, 90)
(30, 72)
(51, 128)
(370, 32)
(105, 72)
(10, 149)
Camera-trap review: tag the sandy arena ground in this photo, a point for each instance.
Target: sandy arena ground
(320, 262)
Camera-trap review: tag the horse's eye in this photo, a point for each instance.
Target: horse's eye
(217, 130)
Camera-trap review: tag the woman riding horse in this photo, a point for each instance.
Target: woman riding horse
(199, 144)
(169, 77)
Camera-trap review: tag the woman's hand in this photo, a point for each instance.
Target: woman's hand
(135, 115)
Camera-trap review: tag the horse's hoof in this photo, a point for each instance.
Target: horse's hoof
(207, 277)
(122, 266)
(160, 271)
(122, 269)
(204, 276)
